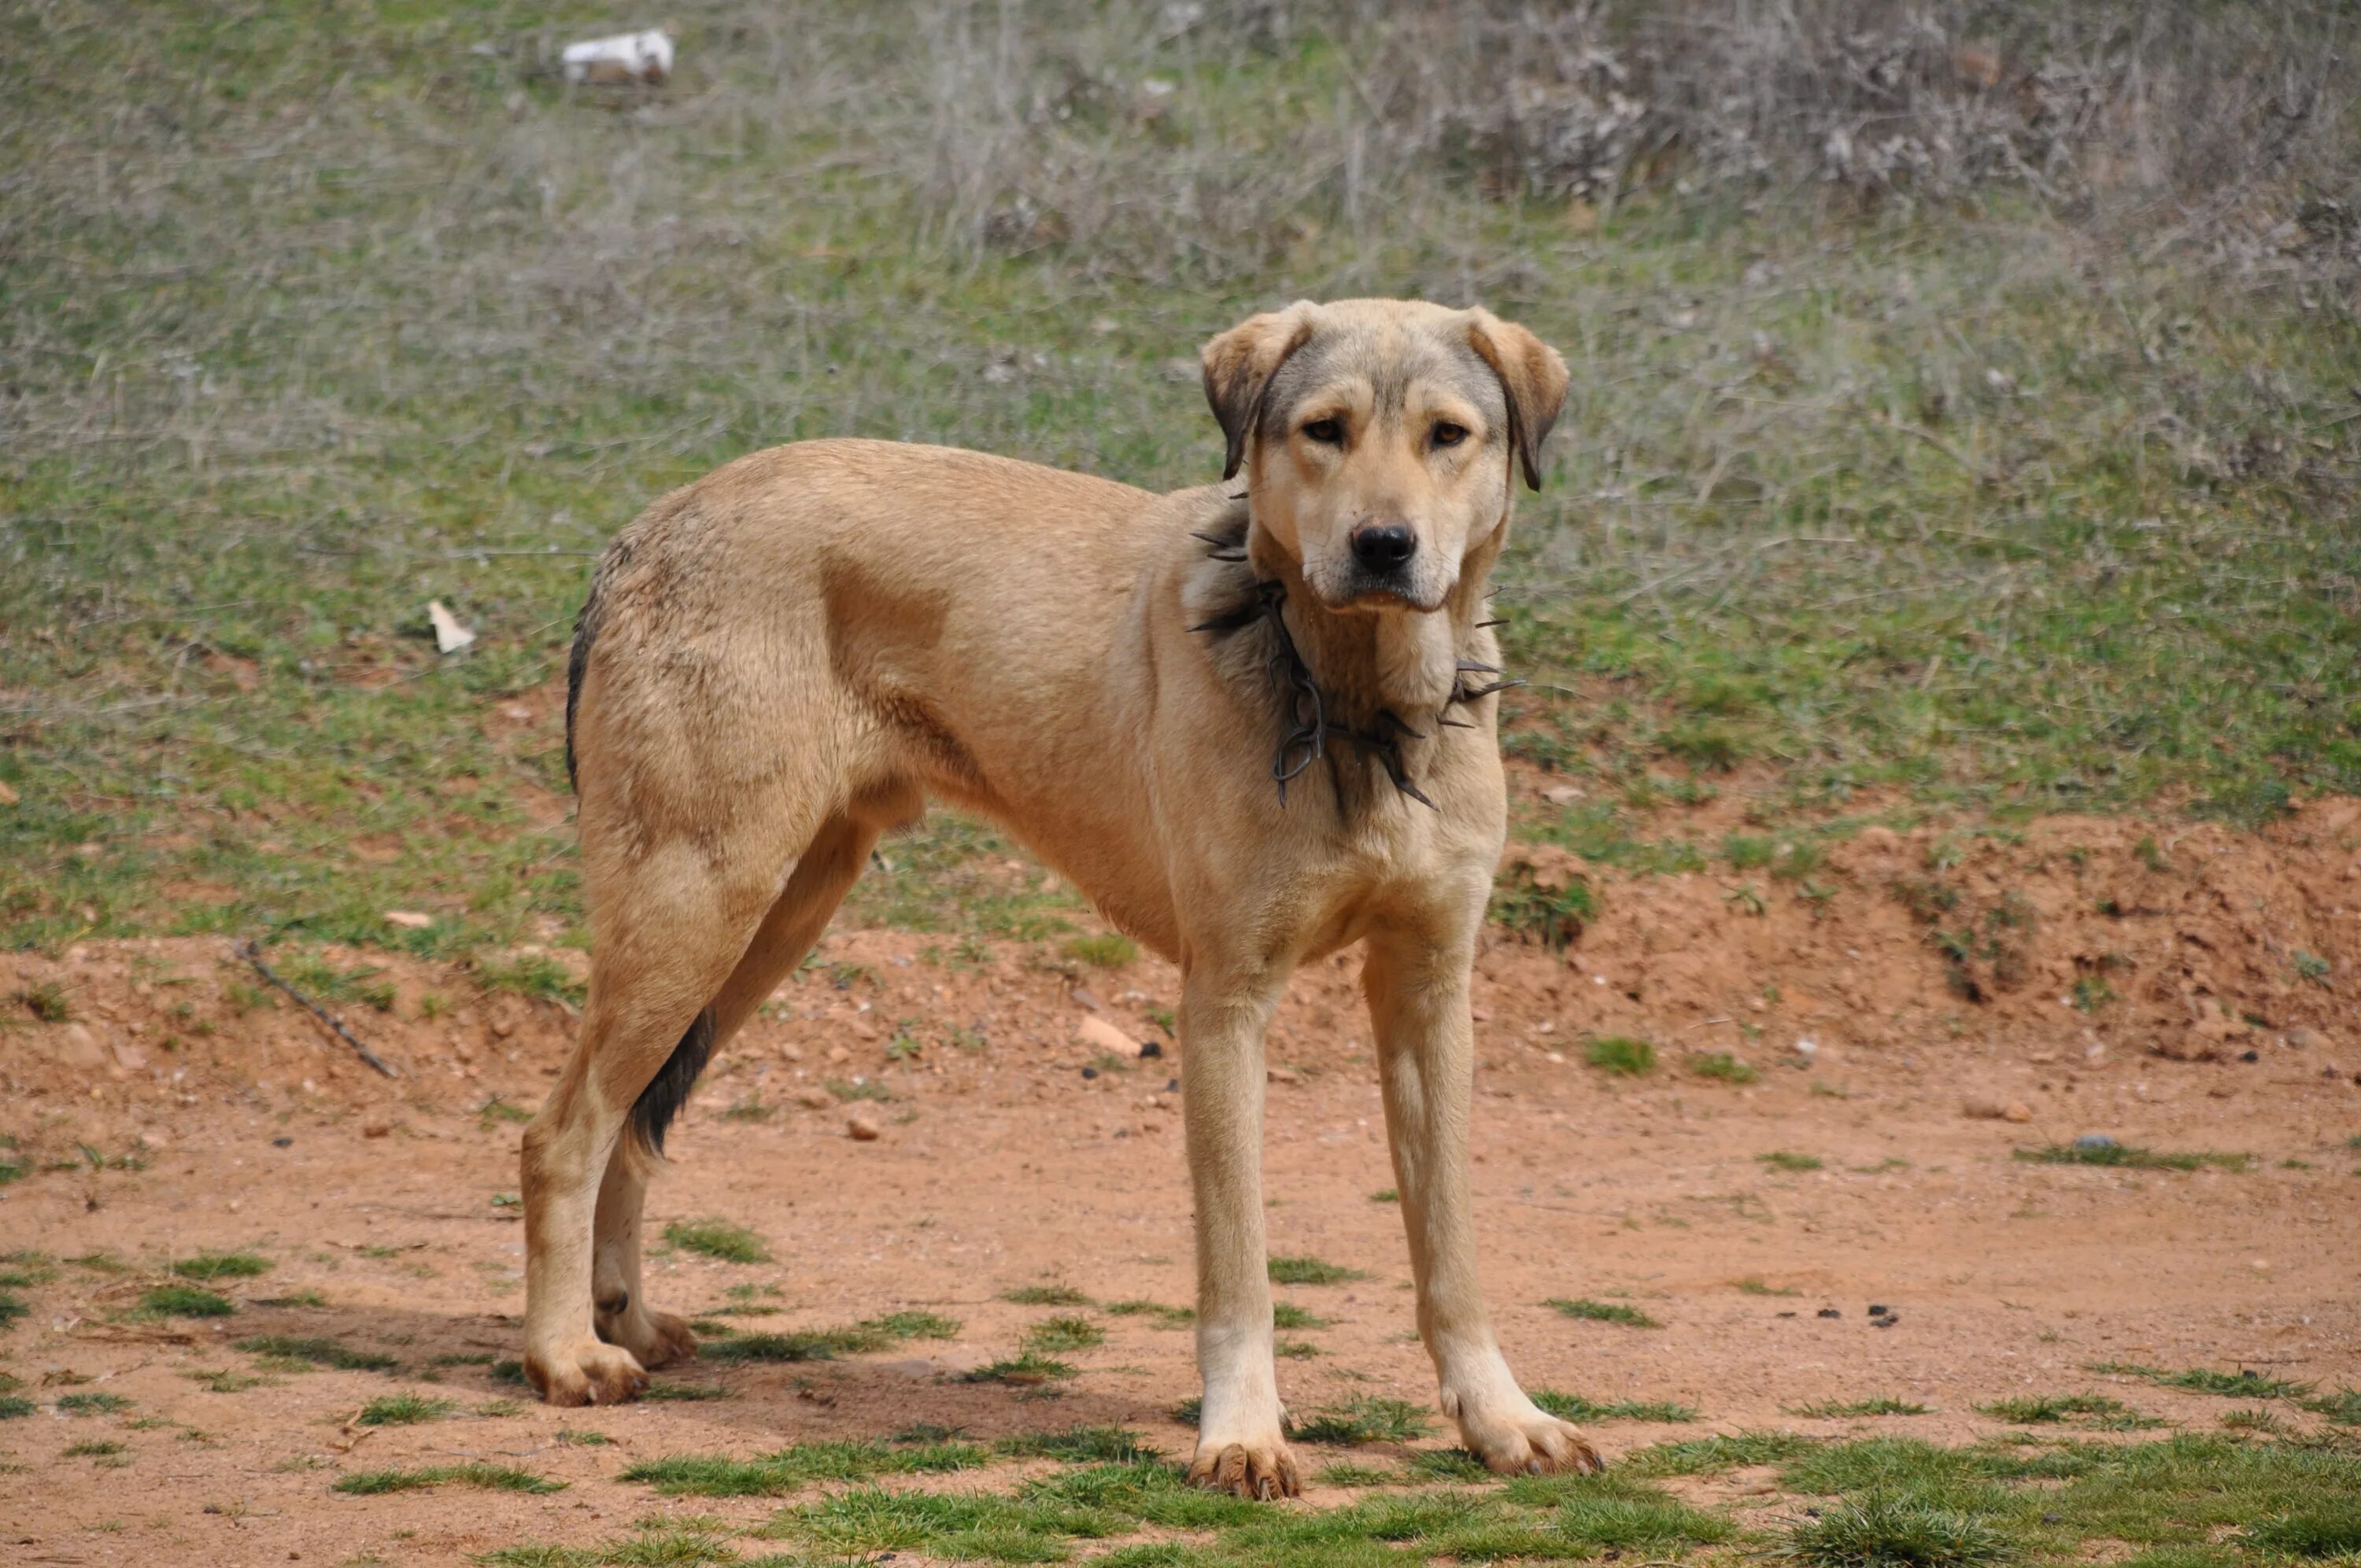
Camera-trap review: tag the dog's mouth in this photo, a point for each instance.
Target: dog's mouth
(1378, 596)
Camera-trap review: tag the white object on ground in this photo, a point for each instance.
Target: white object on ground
(449, 635)
(626, 57)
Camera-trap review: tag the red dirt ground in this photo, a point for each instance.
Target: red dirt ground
(1000, 1164)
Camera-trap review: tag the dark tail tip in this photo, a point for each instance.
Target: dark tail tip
(661, 1101)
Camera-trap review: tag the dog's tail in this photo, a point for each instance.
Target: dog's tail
(586, 635)
(667, 1092)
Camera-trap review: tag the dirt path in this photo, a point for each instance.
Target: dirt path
(378, 1206)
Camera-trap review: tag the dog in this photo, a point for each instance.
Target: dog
(1254, 721)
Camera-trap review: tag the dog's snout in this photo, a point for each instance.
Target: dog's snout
(1383, 546)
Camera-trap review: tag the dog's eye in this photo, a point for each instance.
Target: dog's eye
(1446, 434)
(1327, 431)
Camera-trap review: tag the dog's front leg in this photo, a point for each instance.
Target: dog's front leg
(1416, 985)
(1241, 1444)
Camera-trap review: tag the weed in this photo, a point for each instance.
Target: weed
(1621, 1054)
(1574, 1408)
(402, 1409)
(1780, 1159)
(2344, 1407)
(792, 1468)
(288, 1348)
(717, 1239)
(1059, 1296)
(1840, 1409)
(2311, 967)
(46, 1002)
(823, 1345)
(1069, 1333)
(225, 1381)
(15, 1406)
(1752, 1284)
(1028, 1369)
(2244, 1384)
(495, 1477)
(1385, 1195)
(2131, 1156)
(222, 1266)
(1365, 1421)
(1109, 949)
(93, 1404)
(2113, 1415)
(1166, 1317)
(1713, 1455)
(2330, 1528)
(1310, 1271)
(185, 1301)
(1601, 1312)
(1889, 1530)
(1722, 1067)
(1287, 1315)
(93, 1448)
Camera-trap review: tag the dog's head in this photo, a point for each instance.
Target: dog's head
(1382, 438)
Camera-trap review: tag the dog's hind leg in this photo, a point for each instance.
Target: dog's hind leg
(822, 875)
(670, 923)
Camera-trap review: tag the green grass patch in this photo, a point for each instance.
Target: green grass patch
(185, 1301)
(1722, 1067)
(402, 1409)
(222, 1266)
(1164, 1317)
(2329, 1528)
(1891, 1531)
(15, 1406)
(799, 1465)
(1601, 1312)
(93, 1404)
(300, 1351)
(1288, 1315)
(1619, 1054)
(1363, 1420)
(2094, 1410)
(1574, 1408)
(1053, 1335)
(2342, 1408)
(2244, 1384)
(1846, 1409)
(717, 1239)
(1713, 1455)
(1310, 1271)
(1780, 1159)
(1109, 949)
(1028, 1369)
(823, 1345)
(1050, 1296)
(490, 1477)
(2132, 1157)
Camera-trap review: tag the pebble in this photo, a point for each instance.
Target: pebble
(817, 1099)
(1830, 1312)
(862, 1127)
(2093, 1141)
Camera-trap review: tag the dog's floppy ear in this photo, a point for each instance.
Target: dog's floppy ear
(1239, 365)
(1533, 377)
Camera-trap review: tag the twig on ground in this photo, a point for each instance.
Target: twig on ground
(251, 951)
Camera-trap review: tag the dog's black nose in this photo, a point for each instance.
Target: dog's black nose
(1383, 546)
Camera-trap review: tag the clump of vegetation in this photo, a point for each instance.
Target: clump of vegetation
(1066, 1333)
(222, 1266)
(1574, 1408)
(1893, 1531)
(1310, 1271)
(1841, 1409)
(1057, 1296)
(1365, 1421)
(2131, 1156)
(717, 1239)
(1028, 1369)
(1108, 950)
(1780, 1159)
(93, 1404)
(1601, 1312)
(2243, 1384)
(46, 1002)
(493, 1477)
(2113, 1415)
(1722, 1067)
(185, 1301)
(1621, 1054)
(295, 1353)
(402, 1409)
(1543, 897)
(824, 1344)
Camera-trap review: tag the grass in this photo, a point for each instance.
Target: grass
(825, 1345)
(2244, 1384)
(1109, 949)
(1028, 1370)
(1164, 1317)
(222, 1266)
(1884, 1530)
(2132, 1157)
(1052, 1296)
(1574, 1408)
(1845, 1409)
(2330, 1528)
(2035, 1410)
(93, 1404)
(1288, 1315)
(1363, 1420)
(1621, 1054)
(1310, 1271)
(2342, 1407)
(491, 1478)
(1714, 1455)
(1722, 1067)
(1601, 1312)
(14, 1407)
(1051, 1335)
(717, 1239)
(298, 1350)
(1780, 1159)
(402, 1409)
(185, 1301)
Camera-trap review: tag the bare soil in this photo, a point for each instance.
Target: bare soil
(161, 1121)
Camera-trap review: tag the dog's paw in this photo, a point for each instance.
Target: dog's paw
(1528, 1442)
(589, 1373)
(655, 1339)
(1261, 1470)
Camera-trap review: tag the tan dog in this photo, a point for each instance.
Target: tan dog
(787, 657)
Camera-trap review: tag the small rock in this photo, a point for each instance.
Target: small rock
(407, 919)
(862, 1127)
(376, 1129)
(815, 1099)
(1808, 1047)
(2250, 1056)
(282, 1142)
(2017, 1111)
(1090, 1072)
(1876, 1311)
(2304, 1039)
(1150, 1049)
(1089, 998)
(1983, 1109)
(2090, 1143)
(1562, 794)
(838, 1055)
(1100, 1034)
(1282, 1075)
(1830, 1312)
(1887, 1321)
